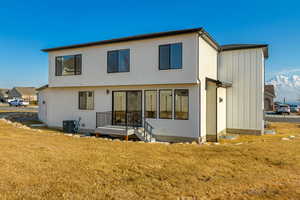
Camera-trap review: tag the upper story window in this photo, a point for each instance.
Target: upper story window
(68, 65)
(170, 56)
(118, 61)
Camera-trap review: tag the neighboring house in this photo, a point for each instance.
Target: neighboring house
(182, 83)
(3, 95)
(25, 93)
(269, 96)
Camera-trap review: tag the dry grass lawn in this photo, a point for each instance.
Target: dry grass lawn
(49, 165)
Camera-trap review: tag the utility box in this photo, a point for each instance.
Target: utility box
(69, 126)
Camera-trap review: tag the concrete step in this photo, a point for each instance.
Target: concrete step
(140, 135)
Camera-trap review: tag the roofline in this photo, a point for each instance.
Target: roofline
(200, 30)
(244, 47)
(209, 39)
(42, 88)
(254, 46)
(270, 93)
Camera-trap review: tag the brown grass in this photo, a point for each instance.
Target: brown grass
(49, 165)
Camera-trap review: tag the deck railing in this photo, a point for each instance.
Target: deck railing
(103, 119)
(119, 118)
(148, 131)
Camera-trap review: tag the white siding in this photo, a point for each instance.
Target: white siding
(208, 64)
(144, 60)
(221, 109)
(208, 60)
(245, 69)
(63, 105)
(42, 110)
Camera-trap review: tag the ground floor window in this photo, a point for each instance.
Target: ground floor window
(165, 104)
(150, 104)
(86, 100)
(181, 104)
(119, 108)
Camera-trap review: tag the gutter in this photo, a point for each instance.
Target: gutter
(206, 37)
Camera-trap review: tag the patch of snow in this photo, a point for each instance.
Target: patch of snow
(238, 143)
(269, 132)
(285, 139)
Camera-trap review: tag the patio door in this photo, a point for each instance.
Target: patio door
(127, 108)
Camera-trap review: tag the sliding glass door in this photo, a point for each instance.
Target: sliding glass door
(127, 108)
(119, 108)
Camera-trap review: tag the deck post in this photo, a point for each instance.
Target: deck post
(126, 137)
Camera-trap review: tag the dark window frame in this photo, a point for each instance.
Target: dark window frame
(172, 99)
(170, 55)
(107, 61)
(126, 103)
(77, 69)
(93, 107)
(188, 112)
(157, 106)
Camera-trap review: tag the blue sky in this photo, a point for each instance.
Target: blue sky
(28, 26)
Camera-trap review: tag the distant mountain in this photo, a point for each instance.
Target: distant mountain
(287, 85)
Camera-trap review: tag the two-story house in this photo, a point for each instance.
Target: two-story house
(182, 83)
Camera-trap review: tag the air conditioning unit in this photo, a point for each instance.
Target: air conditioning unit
(69, 126)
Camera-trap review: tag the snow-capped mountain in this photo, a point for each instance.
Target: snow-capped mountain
(287, 85)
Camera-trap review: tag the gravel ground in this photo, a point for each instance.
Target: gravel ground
(283, 118)
(19, 114)
(5, 107)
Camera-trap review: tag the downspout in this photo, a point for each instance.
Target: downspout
(218, 85)
(217, 100)
(199, 88)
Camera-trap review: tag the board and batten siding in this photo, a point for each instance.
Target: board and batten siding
(245, 69)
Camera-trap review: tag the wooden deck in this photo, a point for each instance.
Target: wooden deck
(114, 130)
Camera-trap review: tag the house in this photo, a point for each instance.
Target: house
(26, 93)
(269, 96)
(3, 95)
(177, 85)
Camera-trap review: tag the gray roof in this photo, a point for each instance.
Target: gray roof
(200, 30)
(230, 47)
(42, 87)
(30, 91)
(3, 91)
